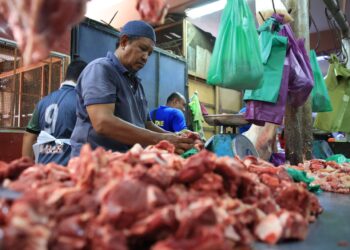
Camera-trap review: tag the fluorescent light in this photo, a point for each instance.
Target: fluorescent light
(322, 58)
(205, 9)
(175, 35)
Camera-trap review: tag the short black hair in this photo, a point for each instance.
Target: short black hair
(74, 69)
(174, 96)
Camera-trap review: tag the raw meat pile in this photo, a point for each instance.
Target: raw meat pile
(15, 168)
(331, 176)
(39, 25)
(153, 199)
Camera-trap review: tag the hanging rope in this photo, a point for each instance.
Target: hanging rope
(342, 53)
(317, 30)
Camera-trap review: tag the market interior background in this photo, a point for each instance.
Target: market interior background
(210, 22)
(204, 201)
(186, 40)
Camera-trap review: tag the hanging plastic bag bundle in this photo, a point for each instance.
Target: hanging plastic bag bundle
(320, 97)
(301, 78)
(259, 112)
(236, 60)
(266, 8)
(274, 48)
(338, 86)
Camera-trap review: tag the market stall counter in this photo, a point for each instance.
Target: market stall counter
(330, 231)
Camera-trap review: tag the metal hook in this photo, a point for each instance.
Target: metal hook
(342, 53)
(262, 17)
(113, 17)
(273, 5)
(109, 24)
(317, 30)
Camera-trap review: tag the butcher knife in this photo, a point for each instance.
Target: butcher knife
(9, 194)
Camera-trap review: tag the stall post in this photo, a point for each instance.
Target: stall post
(298, 121)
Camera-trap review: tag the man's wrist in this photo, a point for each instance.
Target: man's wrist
(157, 137)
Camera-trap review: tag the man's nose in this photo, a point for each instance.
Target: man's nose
(145, 56)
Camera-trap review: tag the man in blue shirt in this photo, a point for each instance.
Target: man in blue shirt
(112, 108)
(48, 132)
(171, 117)
(246, 127)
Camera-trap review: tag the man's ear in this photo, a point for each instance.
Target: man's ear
(123, 41)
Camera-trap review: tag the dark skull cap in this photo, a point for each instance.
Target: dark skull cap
(139, 29)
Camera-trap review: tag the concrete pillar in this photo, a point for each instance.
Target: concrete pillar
(298, 121)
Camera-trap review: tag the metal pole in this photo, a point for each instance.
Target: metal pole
(346, 43)
(334, 8)
(298, 121)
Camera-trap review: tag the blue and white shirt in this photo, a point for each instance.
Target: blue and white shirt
(56, 115)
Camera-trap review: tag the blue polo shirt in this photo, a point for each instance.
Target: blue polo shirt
(168, 118)
(104, 81)
(246, 127)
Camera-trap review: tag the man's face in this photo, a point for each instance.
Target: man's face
(135, 53)
(180, 104)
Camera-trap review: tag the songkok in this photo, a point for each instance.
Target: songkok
(139, 29)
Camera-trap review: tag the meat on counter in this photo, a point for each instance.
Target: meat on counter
(153, 199)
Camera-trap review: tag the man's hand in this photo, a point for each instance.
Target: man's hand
(181, 144)
(152, 11)
(198, 143)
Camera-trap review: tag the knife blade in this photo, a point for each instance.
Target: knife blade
(9, 194)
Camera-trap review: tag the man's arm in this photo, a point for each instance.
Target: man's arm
(107, 124)
(153, 127)
(27, 146)
(31, 135)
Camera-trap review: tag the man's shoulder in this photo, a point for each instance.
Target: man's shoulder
(99, 62)
(164, 109)
(101, 68)
(170, 111)
(55, 96)
(178, 113)
(57, 93)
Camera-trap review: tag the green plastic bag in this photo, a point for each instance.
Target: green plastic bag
(189, 153)
(338, 86)
(236, 60)
(301, 176)
(274, 49)
(338, 158)
(197, 116)
(320, 98)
